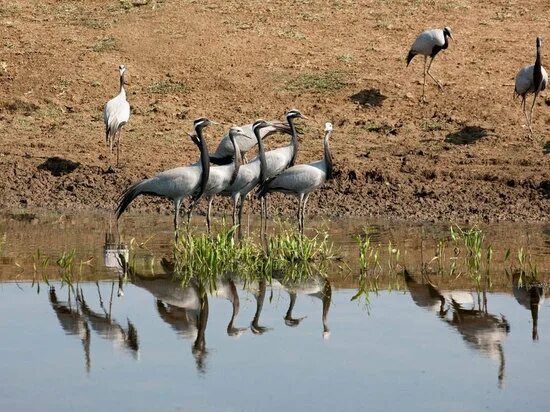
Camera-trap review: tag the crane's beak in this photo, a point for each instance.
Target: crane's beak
(304, 117)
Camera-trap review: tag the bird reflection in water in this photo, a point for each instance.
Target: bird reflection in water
(529, 293)
(315, 286)
(482, 331)
(72, 321)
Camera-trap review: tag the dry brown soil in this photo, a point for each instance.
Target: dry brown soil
(465, 155)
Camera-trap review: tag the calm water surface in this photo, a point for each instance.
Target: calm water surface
(427, 346)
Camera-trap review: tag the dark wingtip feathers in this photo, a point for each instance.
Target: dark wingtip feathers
(220, 161)
(126, 198)
(410, 56)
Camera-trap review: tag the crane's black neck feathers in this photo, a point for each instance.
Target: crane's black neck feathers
(237, 162)
(205, 161)
(293, 141)
(328, 157)
(537, 70)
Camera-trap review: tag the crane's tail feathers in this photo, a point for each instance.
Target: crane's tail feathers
(263, 188)
(279, 127)
(410, 56)
(221, 160)
(128, 196)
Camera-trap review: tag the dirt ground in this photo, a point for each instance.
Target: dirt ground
(465, 155)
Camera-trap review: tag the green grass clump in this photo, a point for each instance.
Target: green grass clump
(105, 45)
(289, 255)
(431, 126)
(167, 86)
(317, 82)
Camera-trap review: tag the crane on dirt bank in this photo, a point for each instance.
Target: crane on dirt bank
(115, 115)
(531, 79)
(428, 44)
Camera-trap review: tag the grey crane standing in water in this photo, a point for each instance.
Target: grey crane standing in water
(428, 44)
(246, 141)
(248, 175)
(531, 79)
(222, 177)
(115, 115)
(279, 159)
(175, 184)
(301, 180)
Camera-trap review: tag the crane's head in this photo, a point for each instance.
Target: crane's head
(202, 122)
(236, 131)
(328, 127)
(121, 69)
(293, 114)
(448, 33)
(259, 124)
(539, 41)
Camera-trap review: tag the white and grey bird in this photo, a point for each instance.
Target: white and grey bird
(301, 180)
(246, 141)
(115, 115)
(222, 177)
(175, 184)
(531, 79)
(428, 44)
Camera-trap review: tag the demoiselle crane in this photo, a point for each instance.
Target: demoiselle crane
(174, 184)
(221, 177)
(531, 79)
(246, 141)
(115, 115)
(248, 175)
(278, 159)
(428, 44)
(301, 180)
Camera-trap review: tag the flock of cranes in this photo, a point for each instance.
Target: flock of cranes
(230, 175)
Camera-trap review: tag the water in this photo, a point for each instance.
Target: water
(166, 348)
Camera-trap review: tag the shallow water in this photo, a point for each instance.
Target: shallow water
(162, 347)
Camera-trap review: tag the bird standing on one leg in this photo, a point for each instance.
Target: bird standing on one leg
(428, 44)
(116, 115)
(301, 180)
(531, 79)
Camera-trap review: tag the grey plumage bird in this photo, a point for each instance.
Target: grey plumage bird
(246, 141)
(531, 79)
(115, 115)
(174, 184)
(248, 175)
(222, 177)
(301, 180)
(278, 159)
(428, 44)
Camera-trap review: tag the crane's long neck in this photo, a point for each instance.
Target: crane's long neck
(446, 44)
(328, 156)
(205, 162)
(293, 141)
(261, 154)
(327, 298)
(236, 161)
(537, 71)
(122, 91)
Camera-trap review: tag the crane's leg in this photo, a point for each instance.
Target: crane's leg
(208, 216)
(433, 78)
(306, 198)
(241, 208)
(300, 203)
(523, 109)
(235, 205)
(531, 113)
(177, 205)
(262, 214)
(424, 82)
(118, 138)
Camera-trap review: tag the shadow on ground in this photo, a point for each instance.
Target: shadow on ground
(468, 135)
(370, 97)
(58, 166)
